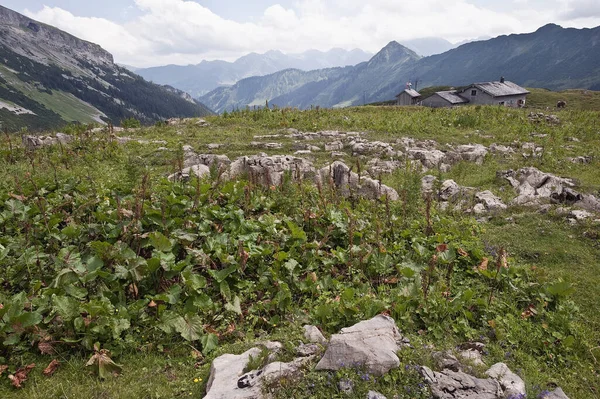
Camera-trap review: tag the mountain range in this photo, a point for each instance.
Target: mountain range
(49, 78)
(206, 76)
(551, 57)
(200, 79)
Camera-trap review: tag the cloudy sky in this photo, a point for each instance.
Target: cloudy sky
(158, 32)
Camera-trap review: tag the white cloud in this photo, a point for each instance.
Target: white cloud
(180, 31)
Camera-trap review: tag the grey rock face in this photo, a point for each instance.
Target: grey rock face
(449, 190)
(314, 335)
(378, 167)
(429, 158)
(334, 146)
(225, 372)
(510, 382)
(307, 349)
(185, 174)
(371, 343)
(375, 395)
(269, 171)
(490, 201)
(349, 183)
(227, 380)
(468, 152)
(210, 160)
(457, 385)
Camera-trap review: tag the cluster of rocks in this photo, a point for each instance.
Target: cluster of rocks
(34, 142)
(532, 186)
(538, 117)
(271, 170)
(185, 121)
(462, 198)
(535, 187)
(373, 345)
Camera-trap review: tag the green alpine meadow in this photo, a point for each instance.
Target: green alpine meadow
(134, 283)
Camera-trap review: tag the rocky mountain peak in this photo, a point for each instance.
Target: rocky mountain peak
(45, 43)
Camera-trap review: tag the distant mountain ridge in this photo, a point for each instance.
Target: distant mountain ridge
(206, 76)
(49, 77)
(551, 57)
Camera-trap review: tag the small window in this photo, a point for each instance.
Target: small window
(501, 103)
(473, 92)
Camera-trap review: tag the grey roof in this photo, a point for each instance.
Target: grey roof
(499, 89)
(411, 92)
(452, 97)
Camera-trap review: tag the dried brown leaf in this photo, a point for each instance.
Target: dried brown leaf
(20, 375)
(442, 248)
(462, 252)
(3, 368)
(484, 264)
(52, 367)
(46, 348)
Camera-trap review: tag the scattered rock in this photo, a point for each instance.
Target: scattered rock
(375, 395)
(371, 343)
(269, 170)
(364, 147)
(509, 381)
(501, 149)
(450, 384)
(307, 349)
(468, 152)
(429, 158)
(185, 174)
(210, 160)
(449, 190)
(580, 160)
(314, 335)
(334, 146)
(541, 117)
(350, 183)
(214, 146)
(378, 167)
(346, 386)
(225, 372)
(490, 201)
(472, 352)
(579, 215)
(446, 360)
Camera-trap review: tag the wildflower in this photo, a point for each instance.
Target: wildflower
(543, 394)
(196, 380)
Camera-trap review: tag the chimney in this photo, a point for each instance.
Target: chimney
(501, 79)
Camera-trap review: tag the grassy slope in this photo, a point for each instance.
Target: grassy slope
(66, 105)
(575, 98)
(545, 241)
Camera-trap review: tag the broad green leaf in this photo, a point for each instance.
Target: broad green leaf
(28, 319)
(210, 342)
(235, 306)
(194, 281)
(290, 265)
(190, 327)
(160, 242)
(66, 307)
(225, 290)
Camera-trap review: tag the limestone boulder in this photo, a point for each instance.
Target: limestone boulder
(371, 343)
(511, 383)
(450, 384)
(350, 183)
(186, 174)
(491, 202)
